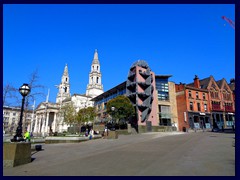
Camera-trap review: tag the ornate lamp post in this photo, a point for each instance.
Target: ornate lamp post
(24, 91)
(113, 111)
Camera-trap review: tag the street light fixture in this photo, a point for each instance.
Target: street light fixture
(24, 91)
(113, 111)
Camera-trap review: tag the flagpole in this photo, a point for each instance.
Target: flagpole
(31, 125)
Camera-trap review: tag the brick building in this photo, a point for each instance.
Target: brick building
(205, 103)
(192, 106)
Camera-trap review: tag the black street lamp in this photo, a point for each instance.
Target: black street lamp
(24, 91)
(113, 111)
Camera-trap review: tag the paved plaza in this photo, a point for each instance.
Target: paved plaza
(147, 154)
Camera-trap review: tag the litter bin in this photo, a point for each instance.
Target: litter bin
(38, 147)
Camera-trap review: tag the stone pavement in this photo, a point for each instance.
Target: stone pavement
(154, 154)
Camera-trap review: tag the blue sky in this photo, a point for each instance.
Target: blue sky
(179, 40)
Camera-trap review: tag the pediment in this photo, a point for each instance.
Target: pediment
(41, 106)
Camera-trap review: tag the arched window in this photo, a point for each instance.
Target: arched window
(97, 79)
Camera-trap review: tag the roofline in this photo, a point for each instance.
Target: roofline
(109, 91)
(161, 76)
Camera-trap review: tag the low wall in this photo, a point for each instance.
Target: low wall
(16, 153)
(143, 129)
(66, 139)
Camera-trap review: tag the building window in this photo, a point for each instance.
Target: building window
(205, 107)
(97, 79)
(204, 96)
(14, 114)
(164, 116)
(197, 96)
(191, 106)
(199, 106)
(189, 94)
(162, 89)
(66, 79)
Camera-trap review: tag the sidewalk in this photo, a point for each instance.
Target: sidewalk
(156, 154)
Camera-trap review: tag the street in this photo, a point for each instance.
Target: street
(147, 154)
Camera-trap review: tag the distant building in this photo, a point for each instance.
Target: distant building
(48, 116)
(11, 117)
(206, 104)
(152, 95)
(193, 106)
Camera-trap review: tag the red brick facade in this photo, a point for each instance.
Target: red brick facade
(204, 104)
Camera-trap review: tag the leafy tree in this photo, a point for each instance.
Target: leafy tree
(69, 114)
(85, 115)
(123, 108)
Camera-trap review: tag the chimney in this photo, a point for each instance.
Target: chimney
(232, 81)
(196, 82)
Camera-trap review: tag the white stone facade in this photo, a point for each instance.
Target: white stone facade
(48, 116)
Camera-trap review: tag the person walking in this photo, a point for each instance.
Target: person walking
(27, 136)
(91, 133)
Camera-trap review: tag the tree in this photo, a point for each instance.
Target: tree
(69, 114)
(35, 92)
(9, 92)
(12, 93)
(86, 115)
(35, 89)
(123, 108)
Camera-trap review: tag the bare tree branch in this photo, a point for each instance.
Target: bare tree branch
(9, 92)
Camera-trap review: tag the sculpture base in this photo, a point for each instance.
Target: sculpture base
(17, 153)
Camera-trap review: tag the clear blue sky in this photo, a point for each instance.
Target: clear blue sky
(180, 40)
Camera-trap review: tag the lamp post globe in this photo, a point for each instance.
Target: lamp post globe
(113, 108)
(24, 91)
(113, 113)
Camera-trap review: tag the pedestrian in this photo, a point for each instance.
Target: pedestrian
(86, 133)
(106, 131)
(27, 136)
(91, 133)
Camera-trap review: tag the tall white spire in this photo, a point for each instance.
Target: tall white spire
(64, 86)
(95, 87)
(95, 58)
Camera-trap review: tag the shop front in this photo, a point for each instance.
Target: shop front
(199, 120)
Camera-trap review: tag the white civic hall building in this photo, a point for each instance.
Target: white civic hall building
(47, 114)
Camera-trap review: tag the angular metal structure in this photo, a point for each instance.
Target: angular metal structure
(139, 89)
